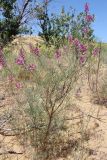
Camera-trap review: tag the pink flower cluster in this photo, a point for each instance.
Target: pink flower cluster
(86, 7)
(20, 60)
(82, 59)
(19, 85)
(96, 51)
(57, 54)
(35, 51)
(89, 18)
(31, 67)
(76, 42)
(81, 47)
(2, 59)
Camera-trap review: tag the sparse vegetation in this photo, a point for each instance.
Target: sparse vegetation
(47, 115)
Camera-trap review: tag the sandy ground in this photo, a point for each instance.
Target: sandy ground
(97, 127)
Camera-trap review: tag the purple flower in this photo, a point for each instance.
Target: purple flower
(76, 42)
(86, 7)
(89, 18)
(35, 51)
(96, 51)
(20, 60)
(82, 59)
(19, 85)
(31, 67)
(82, 48)
(58, 54)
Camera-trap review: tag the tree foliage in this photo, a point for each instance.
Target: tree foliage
(11, 19)
(56, 28)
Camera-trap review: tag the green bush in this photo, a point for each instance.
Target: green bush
(11, 20)
(38, 116)
(55, 29)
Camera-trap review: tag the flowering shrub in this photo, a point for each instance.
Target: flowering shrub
(53, 78)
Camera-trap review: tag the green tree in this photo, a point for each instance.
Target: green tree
(11, 19)
(56, 28)
(44, 20)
